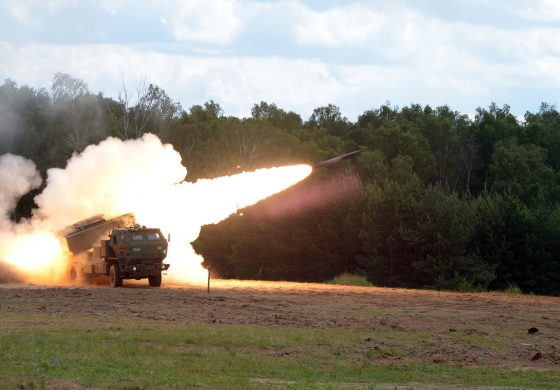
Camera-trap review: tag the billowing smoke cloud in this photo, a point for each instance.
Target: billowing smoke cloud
(18, 176)
(115, 177)
(111, 178)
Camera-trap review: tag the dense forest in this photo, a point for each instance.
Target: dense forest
(436, 199)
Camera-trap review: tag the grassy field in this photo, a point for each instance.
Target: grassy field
(76, 352)
(275, 335)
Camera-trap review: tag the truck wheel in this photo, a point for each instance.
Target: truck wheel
(155, 281)
(115, 279)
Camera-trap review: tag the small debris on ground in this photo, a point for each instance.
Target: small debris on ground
(537, 356)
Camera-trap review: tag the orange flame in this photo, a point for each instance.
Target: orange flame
(38, 256)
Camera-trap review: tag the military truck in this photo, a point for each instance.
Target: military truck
(129, 251)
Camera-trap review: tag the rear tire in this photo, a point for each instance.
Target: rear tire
(115, 279)
(155, 281)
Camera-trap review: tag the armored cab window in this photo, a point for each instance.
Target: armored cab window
(137, 237)
(154, 236)
(115, 239)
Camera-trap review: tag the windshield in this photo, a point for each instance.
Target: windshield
(155, 236)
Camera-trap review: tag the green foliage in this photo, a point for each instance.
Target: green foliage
(513, 289)
(416, 236)
(329, 117)
(541, 129)
(520, 170)
(519, 240)
(492, 125)
(348, 279)
(464, 285)
(277, 117)
(434, 200)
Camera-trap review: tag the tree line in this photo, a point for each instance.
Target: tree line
(436, 199)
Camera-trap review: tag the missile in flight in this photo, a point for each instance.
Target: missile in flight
(335, 160)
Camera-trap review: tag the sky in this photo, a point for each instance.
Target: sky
(298, 54)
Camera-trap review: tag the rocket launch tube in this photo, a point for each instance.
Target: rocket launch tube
(335, 160)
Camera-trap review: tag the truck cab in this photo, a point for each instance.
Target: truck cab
(135, 253)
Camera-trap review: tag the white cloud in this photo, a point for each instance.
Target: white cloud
(391, 52)
(546, 10)
(23, 13)
(213, 22)
(443, 75)
(398, 32)
(549, 66)
(350, 25)
(29, 12)
(236, 83)
(113, 7)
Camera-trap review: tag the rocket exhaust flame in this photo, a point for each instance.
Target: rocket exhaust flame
(38, 255)
(115, 177)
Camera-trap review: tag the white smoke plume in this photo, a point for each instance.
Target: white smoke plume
(141, 176)
(111, 178)
(18, 176)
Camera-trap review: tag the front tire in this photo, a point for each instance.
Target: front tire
(155, 281)
(115, 279)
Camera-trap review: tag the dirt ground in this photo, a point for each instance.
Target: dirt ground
(488, 329)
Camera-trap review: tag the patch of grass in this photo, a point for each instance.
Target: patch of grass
(467, 287)
(513, 289)
(368, 312)
(146, 354)
(349, 279)
(480, 341)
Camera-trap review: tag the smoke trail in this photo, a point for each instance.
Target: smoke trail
(141, 176)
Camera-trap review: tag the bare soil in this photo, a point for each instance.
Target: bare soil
(471, 329)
